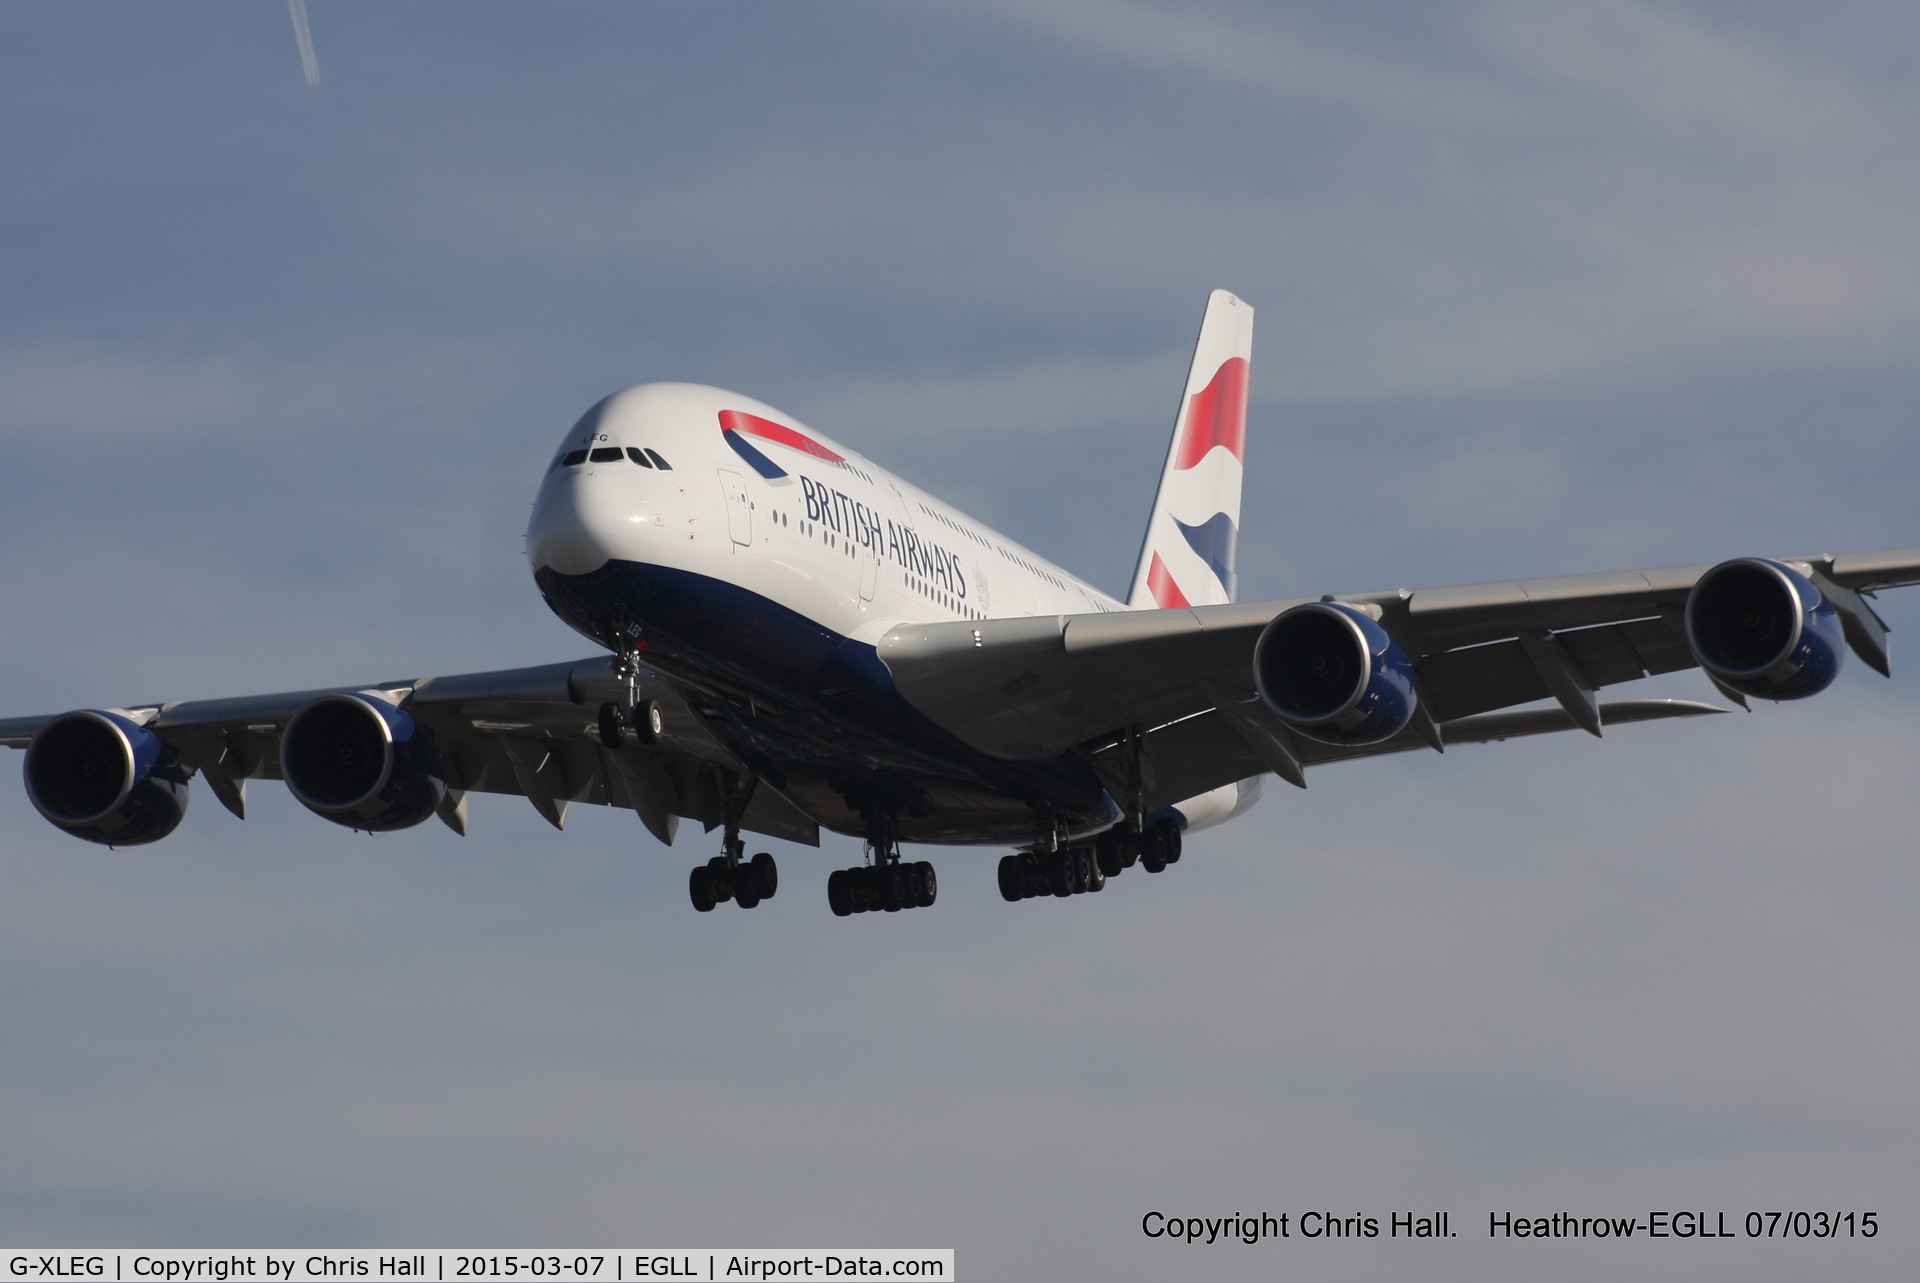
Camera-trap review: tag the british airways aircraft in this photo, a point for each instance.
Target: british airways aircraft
(791, 638)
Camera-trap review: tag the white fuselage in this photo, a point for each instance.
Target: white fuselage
(843, 542)
(712, 487)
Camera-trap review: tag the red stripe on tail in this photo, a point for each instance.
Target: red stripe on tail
(1160, 583)
(1217, 415)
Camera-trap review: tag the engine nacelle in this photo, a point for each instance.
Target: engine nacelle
(1334, 675)
(361, 762)
(1763, 629)
(105, 778)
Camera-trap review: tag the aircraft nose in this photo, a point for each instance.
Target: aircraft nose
(577, 523)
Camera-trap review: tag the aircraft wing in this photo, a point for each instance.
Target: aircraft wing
(1036, 688)
(530, 731)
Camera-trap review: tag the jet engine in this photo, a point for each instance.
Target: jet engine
(1334, 675)
(105, 778)
(1763, 629)
(359, 761)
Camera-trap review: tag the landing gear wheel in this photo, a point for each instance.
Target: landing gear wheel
(700, 888)
(720, 877)
(1160, 846)
(613, 730)
(1096, 876)
(894, 895)
(1013, 879)
(764, 874)
(840, 892)
(1033, 875)
(1106, 849)
(1060, 873)
(926, 886)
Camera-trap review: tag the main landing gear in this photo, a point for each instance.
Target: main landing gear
(1159, 846)
(1076, 869)
(745, 882)
(891, 887)
(730, 875)
(1070, 871)
(887, 884)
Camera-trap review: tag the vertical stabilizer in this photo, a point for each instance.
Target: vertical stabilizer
(1187, 557)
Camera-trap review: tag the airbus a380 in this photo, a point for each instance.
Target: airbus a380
(791, 638)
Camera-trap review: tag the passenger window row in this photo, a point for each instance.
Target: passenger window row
(611, 454)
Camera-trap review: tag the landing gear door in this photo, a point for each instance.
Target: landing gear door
(739, 507)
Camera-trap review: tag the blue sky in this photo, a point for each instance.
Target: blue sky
(1540, 290)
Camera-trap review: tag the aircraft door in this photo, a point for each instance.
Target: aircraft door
(739, 507)
(869, 572)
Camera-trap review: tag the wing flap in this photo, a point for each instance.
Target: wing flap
(1028, 689)
(1201, 753)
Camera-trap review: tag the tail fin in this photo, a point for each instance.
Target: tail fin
(1187, 557)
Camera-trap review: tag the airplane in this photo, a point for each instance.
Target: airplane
(791, 638)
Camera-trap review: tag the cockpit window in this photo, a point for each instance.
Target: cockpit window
(639, 456)
(573, 458)
(658, 462)
(606, 454)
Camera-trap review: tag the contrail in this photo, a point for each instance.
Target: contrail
(304, 34)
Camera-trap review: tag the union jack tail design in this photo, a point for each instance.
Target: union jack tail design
(1187, 557)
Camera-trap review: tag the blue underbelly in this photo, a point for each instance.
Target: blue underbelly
(816, 715)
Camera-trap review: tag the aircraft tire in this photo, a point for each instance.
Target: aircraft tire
(646, 723)
(926, 885)
(894, 894)
(1033, 875)
(720, 878)
(766, 875)
(1060, 873)
(700, 888)
(1013, 879)
(612, 726)
(840, 892)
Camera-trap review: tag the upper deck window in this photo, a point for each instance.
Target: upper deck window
(606, 454)
(638, 455)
